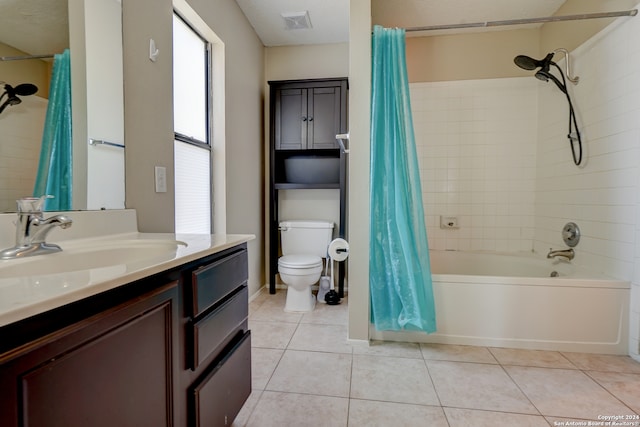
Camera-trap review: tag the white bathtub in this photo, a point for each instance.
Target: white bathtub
(504, 300)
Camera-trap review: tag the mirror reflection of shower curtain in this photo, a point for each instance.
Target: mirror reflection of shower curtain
(55, 166)
(399, 269)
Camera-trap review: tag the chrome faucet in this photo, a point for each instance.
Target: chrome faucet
(566, 253)
(32, 229)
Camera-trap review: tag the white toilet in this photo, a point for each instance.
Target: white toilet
(304, 244)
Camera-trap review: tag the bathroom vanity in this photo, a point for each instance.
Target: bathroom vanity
(155, 341)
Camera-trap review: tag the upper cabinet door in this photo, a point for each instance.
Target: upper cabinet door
(291, 119)
(324, 113)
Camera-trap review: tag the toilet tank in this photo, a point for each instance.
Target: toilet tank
(306, 237)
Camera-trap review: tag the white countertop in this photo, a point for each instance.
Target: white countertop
(25, 294)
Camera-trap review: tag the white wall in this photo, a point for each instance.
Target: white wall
(476, 142)
(105, 104)
(602, 196)
(21, 129)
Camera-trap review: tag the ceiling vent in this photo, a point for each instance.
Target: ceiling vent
(297, 20)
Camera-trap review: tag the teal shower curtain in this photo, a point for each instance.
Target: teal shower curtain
(55, 166)
(400, 272)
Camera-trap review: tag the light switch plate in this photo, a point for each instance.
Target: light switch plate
(161, 179)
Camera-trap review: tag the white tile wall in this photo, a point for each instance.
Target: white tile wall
(600, 195)
(495, 154)
(476, 142)
(603, 197)
(20, 140)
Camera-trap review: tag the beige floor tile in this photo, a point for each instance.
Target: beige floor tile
(326, 338)
(263, 363)
(534, 358)
(276, 299)
(327, 374)
(477, 386)
(604, 362)
(625, 387)
(368, 413)
(475, 418)
(565, 393)
(457, 353)
(390, 384)
(243, 416)
(272, 310)
(389, 348)
(276, 409)
(271, 334)
(392, 379)
(259, 298)
(324, 314)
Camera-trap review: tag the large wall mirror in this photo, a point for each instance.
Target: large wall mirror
(92, 31)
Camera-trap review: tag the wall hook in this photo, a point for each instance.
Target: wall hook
(153, 51)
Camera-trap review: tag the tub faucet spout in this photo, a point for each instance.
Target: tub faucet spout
(565, 253)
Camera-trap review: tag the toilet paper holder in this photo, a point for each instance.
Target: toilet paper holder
(338, 249)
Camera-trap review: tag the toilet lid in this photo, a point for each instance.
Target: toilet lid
(300, 261)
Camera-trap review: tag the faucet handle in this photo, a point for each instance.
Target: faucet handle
(32, 204)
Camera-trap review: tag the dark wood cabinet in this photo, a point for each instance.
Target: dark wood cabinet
(308, 114)
(113, 369)
(305, 117)
(169, 350)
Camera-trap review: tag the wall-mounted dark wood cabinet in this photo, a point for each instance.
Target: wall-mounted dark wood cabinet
(308, 113)
(305, 117)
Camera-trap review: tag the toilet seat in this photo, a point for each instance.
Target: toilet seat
(300, 261)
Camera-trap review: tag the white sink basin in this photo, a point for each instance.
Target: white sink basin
(125, 254)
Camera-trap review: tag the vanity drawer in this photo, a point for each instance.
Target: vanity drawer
(219, 396)
(217, 328)
(213, 282)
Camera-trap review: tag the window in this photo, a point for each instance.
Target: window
(192, 127)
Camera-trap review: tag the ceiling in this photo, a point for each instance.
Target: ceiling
(329, 21)
(22, 22)
(35, 26)
(330, 18)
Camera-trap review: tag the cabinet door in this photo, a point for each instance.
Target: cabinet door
(323, 117)
(291, 119)
(113, 370)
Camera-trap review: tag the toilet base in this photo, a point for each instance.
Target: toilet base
(299, 301)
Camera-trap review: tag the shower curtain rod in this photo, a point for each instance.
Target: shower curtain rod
(632, 12)
(18, 58)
